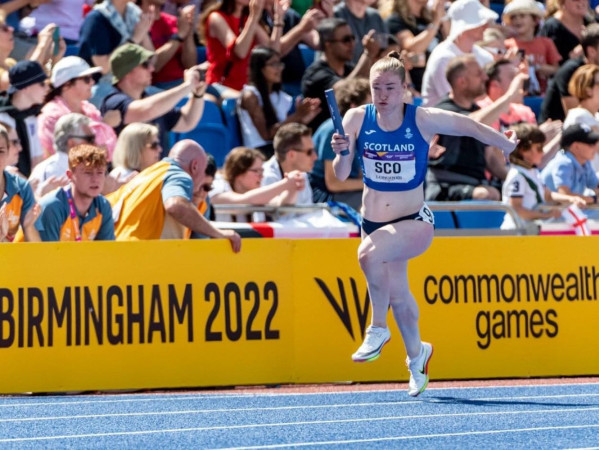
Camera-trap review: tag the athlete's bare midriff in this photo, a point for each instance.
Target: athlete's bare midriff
(379, 206)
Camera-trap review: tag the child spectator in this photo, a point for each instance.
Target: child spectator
(263, 107)
(570, 171)
(79, 212)
(523, 188)
(523, 17)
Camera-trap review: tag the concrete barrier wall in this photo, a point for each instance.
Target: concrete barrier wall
(89, 316)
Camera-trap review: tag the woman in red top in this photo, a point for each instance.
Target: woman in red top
(232, 29)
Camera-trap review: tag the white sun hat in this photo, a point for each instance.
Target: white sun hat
(468, 14)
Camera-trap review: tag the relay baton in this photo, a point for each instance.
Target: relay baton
(334, 110)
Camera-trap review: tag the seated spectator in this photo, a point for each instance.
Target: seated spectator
(583, 86)
(71, 82)
(136, 149)
(6, 47)
(558, 101)
(242, 184)
(19, 108)
(417, 28)
(523, 189)
(200, 196)
(524, 18)
(294, 150)
(570, 172)
(70, 131)
(337, 43)
(231, 30)
(109, 25)
(14, 148)
(469, 19)
(459, 173)
(16, 198)
(173, 38)
(362, 18)
(325, 185)
(565, 26)
(132, 68)
(157, 203)
(263, 106)
(79, 212)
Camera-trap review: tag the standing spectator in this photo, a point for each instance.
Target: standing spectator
(570, 172)
(524, 17)
(294, 150)
(362, 18)
(71, 130)
(79, 212)
(20, 107)
(137, 148)
(557, 99)
(157, 203)
(325, 185)
(66, 14)
(417, 29)
(263, 106)
(16, 197)
(566, 26)
(469, 19)
(132, 68)
(337, 43)
(232, 29)
(242, 184)
(72, 81)
(173, 38)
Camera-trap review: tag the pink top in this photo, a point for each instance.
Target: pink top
(518, 113)
(55, 109)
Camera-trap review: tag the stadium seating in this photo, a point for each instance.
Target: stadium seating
(308, 54)
(72, 50)
(201, 52)
(232, 122)
(534, 103)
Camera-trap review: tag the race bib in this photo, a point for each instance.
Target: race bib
(389, 167)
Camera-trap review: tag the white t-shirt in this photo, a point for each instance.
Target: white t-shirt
(583, 116)
(434, 83)
(516, 185)
(219, 186)
(281, 103)
(272, 174)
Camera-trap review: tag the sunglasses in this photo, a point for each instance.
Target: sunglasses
(345, 39)
(206, 187)
(147, 64)
(87, 79)
(89, 138)
(154, 145)
(276, 65)
(308, 152)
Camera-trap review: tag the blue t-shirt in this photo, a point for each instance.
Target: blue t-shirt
(97, 37)
(118, 100)
(56, 212)
(392, 160)
(177, 182)
(564, 170)
(17, 187)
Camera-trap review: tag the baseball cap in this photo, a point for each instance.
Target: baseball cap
(69, 68)
(24, 74)
(523, 7)
(468, 14)
(126, 58)
(579, 132)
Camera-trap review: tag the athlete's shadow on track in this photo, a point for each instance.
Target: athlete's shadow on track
(482, 402)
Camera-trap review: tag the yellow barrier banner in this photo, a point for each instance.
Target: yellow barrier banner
(160, 314)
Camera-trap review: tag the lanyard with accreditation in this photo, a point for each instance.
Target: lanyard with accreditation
(73, 213)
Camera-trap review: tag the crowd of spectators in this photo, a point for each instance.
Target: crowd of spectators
(86, 140)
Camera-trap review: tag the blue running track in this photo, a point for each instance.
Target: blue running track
(541, 416)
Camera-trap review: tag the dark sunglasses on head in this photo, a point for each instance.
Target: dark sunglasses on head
(345, 39)
(154, 145)
(89, 138)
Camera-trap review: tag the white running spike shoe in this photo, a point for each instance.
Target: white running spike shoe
(418, 368)
(376, 338)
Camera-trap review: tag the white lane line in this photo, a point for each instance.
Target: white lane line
(284, 408)
(423, 436)
(422, 400)
(297, 423)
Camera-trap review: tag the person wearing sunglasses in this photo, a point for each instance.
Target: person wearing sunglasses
(137, 148)
(72, 80)
(337, 43)
(294, 151)
(132, 68)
